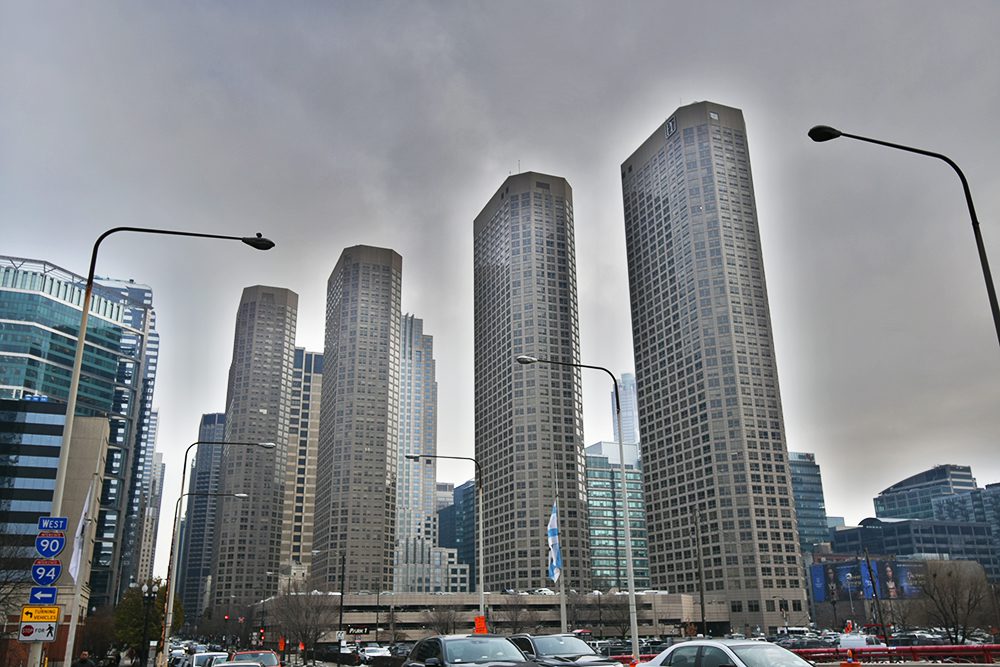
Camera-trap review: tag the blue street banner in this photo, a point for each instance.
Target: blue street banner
(50, 544)
(46, 571)
(555, 553)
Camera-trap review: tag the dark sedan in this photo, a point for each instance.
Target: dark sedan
(457, 650)
(553, 650)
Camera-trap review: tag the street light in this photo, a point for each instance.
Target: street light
(257, 242)
(168, 615)
(148, 596)
(481, 515)
(821, 133)
(525, 359)
(168, 612)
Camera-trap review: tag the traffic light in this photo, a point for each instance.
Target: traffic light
(262, 634)
(227, 617)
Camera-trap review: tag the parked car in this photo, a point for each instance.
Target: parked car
(456, 650)
(721, 652)
(555, 650)
(201, 659)
(401, 649)
(372, 651)
(265, 658)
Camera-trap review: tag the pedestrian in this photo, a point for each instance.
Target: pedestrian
(84, 660)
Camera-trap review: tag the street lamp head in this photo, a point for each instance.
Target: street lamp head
(258, 242)
(526, 359)
(824, 133)
(241, 495)
(413, 457)
(267, 445)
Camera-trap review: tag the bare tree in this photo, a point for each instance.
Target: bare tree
(304, 616)
(615, 612)
(513, 616)
(955, 596)
(442, 619)
(15, 572)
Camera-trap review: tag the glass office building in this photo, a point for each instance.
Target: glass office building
(40, 314)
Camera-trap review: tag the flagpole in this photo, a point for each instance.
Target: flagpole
(83, 532)
(562, 579)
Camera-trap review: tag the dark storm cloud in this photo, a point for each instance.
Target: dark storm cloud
(331, 124)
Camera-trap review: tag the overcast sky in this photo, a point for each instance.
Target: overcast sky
(329, 124)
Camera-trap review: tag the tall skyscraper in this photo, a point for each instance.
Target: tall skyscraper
(151, 519)
(714, 457)
(630, 409)
(416, 492)
(529, 424)
(197, 554)
(913, 497)
(300, 482)
(258, 409)
(40, 304)
(359, 424)
(810, 505)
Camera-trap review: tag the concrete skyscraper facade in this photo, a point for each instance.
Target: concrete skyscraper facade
(151, 519)
(258, 409)
(300, 482)
(359, 424)
(529, 424)
(714, 457)
(194, 572)
(630, 409)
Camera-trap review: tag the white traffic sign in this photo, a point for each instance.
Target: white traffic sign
(38, 632)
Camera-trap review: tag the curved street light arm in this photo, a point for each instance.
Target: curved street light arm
(825, 133)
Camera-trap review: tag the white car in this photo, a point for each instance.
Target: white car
(370, 652)
(721, 652)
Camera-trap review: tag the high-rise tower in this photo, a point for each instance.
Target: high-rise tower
(715, 461)
(258, 409)
(194, 573)
(300, 482)
(355, 523)
(629, 407)
(529, 424)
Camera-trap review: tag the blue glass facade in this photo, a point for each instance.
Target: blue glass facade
(40, 314)
(913, 498)
(810, 506)
(606, 523)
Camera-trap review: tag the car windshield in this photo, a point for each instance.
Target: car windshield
(555, 645)
(481, 649)
(767, 655)
(265, 658)
(202, 658)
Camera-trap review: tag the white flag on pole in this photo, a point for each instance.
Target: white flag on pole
(81, 532)
(555, 553)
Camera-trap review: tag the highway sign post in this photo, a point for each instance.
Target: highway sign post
(46, 571)
(57, 523)
(50, 543)
(43, 595)
(38, 632)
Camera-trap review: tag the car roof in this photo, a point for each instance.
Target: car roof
(718, 642)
